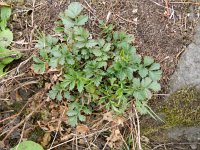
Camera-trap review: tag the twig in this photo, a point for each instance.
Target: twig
(193, 3)
(180, 53)
(11, 117)
(132, 134)
(21, 135)
(58, 127)
(127, 20)
(32, 16)
(25, 84)
(23, 63)
(80, 137)
(89, 6)
(91, 11)
(99, 133)
(157, 3)
(167, 8)
(87, 142)
(76, 142)
(161, 94)
(105, 145)
(16, 68)
(138, 129)
(108, 16)
(5, 80)
(17, 114)
(124, 142)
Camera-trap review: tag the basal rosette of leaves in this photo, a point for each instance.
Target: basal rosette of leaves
(102, 72)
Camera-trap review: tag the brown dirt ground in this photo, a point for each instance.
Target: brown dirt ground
(156, 35)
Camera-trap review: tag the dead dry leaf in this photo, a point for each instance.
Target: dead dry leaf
(46, 139)
(134, 11)
(21, 42)
(81, 141)
(114, 139)
(67, 137)
(82, 129)
(47, 86)
(108, 116)
(4, 4)
(18, 96)
(119, 120)
(145, 139)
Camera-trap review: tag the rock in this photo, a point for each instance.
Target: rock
(180, 113)
(188, 70)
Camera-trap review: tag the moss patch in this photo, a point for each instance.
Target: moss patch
(180, 109)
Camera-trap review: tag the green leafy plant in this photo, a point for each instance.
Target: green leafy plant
(6, 38)
(105, 72)
(27, 145)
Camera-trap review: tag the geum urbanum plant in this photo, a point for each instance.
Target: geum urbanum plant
(105, 71)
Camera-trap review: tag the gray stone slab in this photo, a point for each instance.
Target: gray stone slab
(188, 68)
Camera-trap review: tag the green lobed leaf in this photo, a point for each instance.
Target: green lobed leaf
(139, 95)
(107, 47)
(5, 12)
(51, 41)
(5, 15)
(97, 52)
(146, 82)
(87, 111)
(44, 54)
(80, 39)
(81, 20)
(155, 86)
(72, 85)
(136, 83)
(73, 121)
(59, 96)
(91, 43)
(28, 145)
(68, 23)
(148, 60)
(74, 9)
(53, 62)
(141, 108)
(61, 60)
(129, 72)
(52, 94)
(101, 42)
(72, 113)
(39, 68)
(6, 38)
(143, 72)
(155, 75)
(67, 95)
(122, 75)
(80, 85)
(154, 66)
(82, 118)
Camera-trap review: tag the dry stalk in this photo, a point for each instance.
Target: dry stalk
(58, 127)
(21, 135)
